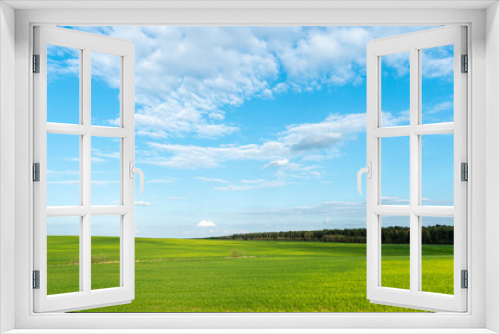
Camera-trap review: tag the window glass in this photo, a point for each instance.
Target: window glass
(106, 157)
(437, 169)
(105, 252)
(63, 255)
(63, 85)
(63, 170)
(437, 254)
(395, 171)
(249, 204)
(437, 84)
(395, 249)
(395, 89)
(105, 89)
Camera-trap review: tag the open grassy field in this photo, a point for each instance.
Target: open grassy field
(182, 275)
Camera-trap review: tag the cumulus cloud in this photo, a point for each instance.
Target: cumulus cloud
(179, 93)
(142, 203)
(278, 163)
(438, 63)
(205, 223)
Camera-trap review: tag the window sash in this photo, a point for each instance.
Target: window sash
(86, 297)
(414, 298)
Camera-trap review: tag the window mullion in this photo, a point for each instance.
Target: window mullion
(414, 171)
(85, 170)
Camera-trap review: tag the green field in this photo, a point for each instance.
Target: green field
(183, 275)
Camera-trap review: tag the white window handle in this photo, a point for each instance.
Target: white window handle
(368, 171)
(134, 170)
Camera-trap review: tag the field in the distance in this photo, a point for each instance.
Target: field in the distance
(183, 275)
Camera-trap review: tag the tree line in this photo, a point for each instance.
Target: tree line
(437, 234)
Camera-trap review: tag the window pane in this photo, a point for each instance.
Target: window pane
(437, 169)
(105, 252)
(63, 170)
(105, 89)
(395, 262)
(437, 84)
(63, 254)
(437, 254)
(395, 171)
(395, 89)
(105, 171)
(63, 85)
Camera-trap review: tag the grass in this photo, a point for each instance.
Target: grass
(181, 275)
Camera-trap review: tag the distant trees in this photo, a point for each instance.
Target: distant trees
(437, 234)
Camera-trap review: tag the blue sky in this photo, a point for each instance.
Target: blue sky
(247, 129)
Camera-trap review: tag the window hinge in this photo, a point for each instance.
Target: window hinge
(464, 171)
(36, 172)
(36, 279)
(36, 63)
(465, 64)
(465, 279)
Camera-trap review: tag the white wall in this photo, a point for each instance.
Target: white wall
(7, 160)
(492, 165)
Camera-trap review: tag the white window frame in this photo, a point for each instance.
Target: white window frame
(483, 213)
(413, 44)
(86, 43)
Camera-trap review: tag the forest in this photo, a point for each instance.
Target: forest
(436, 235)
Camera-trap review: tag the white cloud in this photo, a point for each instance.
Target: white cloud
(438, 63)
(77, 182)
(159, 134)
(180, 93)
(332, 207)
(68, 183)
(442, 106)
(92, 159)
(208, 179)
(63, 172)
(297, 140)
(323, 135)
(97, 153)
(161, 181)
(192, 157)
(399, 62)
(103, 183)
(253, 181)
(142, 203)
(278, 163)
(401, 118)
(205, 223)
(250, 185)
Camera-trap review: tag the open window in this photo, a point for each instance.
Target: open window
(72, 206)
(398, 153)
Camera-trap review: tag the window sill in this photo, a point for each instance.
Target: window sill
(250, 331)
